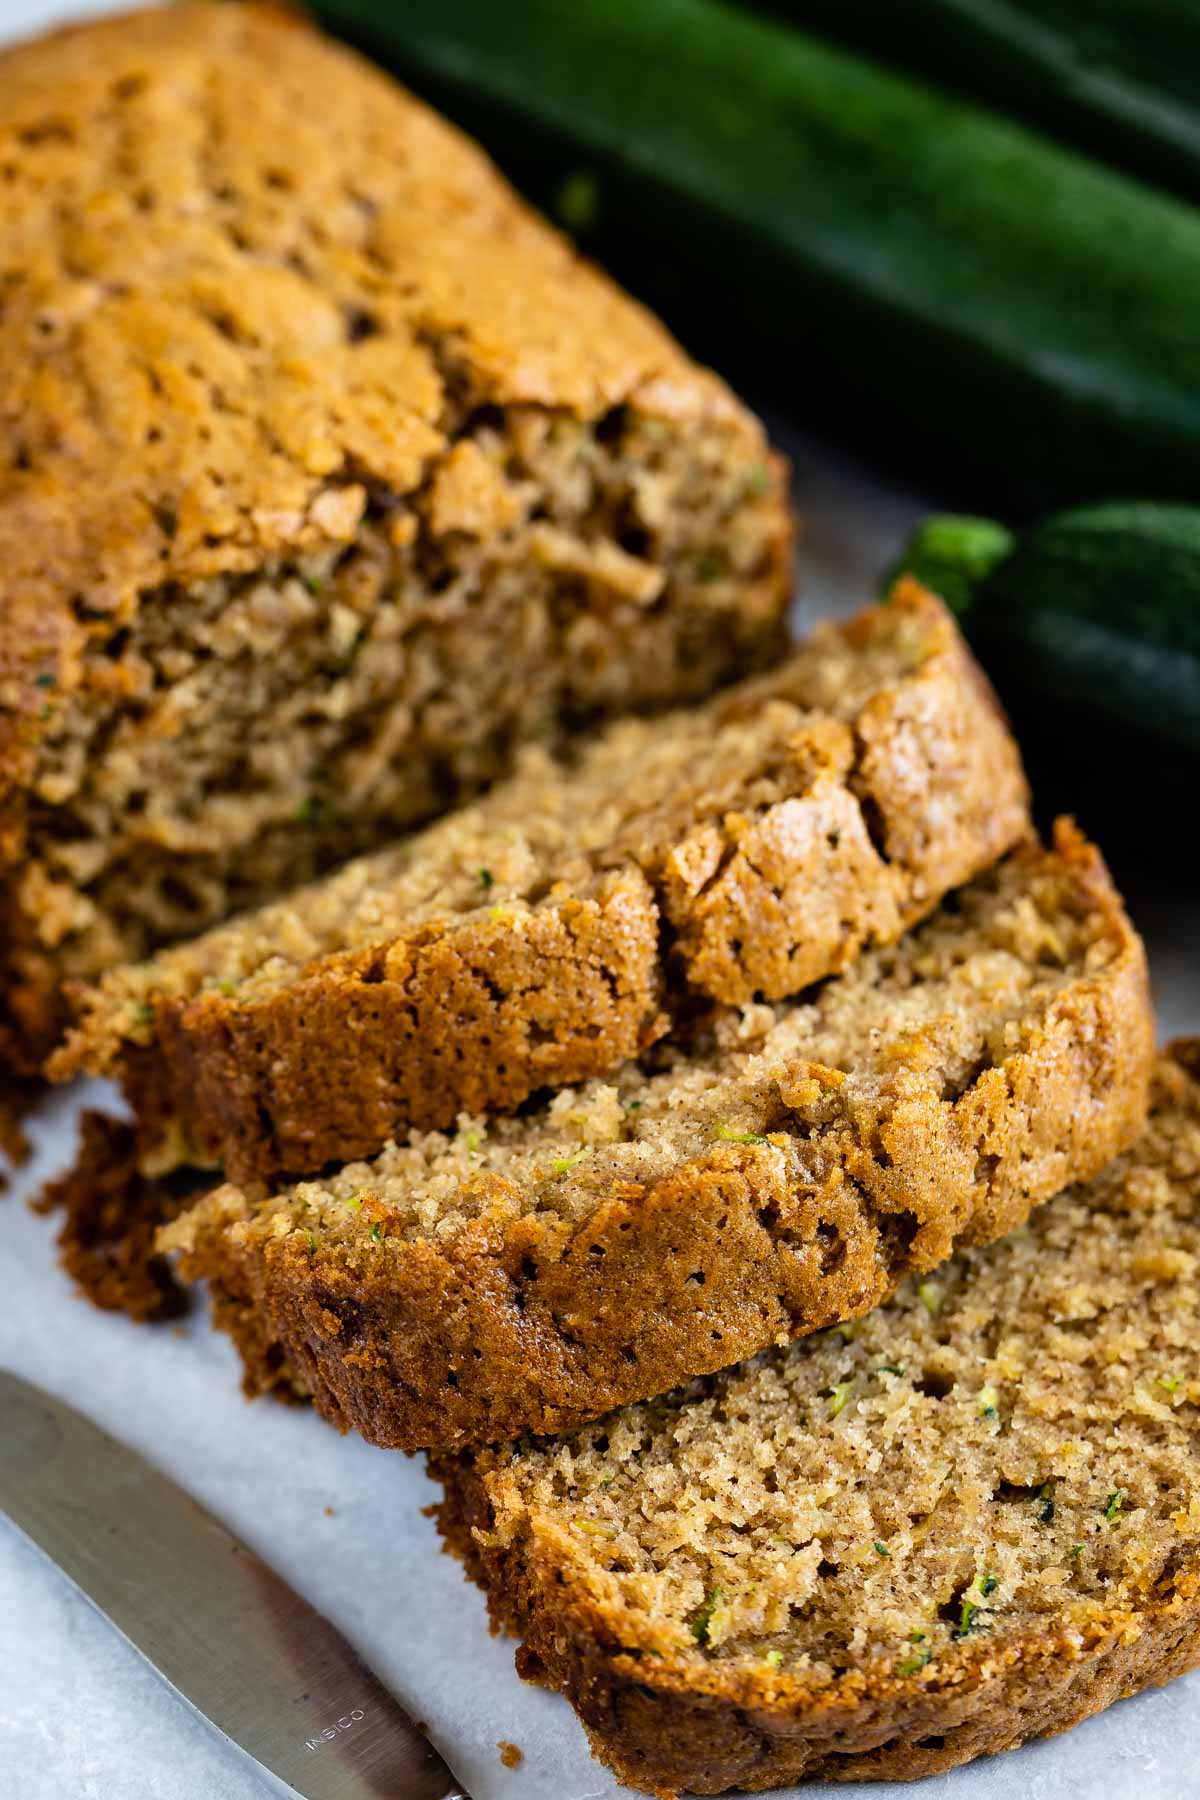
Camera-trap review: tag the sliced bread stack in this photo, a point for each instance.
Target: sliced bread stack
(776, 1169)
(688, 1071)
(947, 1503)
(970, 1519)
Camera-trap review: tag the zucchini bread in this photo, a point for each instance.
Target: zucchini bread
(551, 931)
(971, 1519)
(328, 474)
(780, 1170)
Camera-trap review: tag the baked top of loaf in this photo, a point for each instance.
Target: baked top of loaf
(328, 474)
(969, 1519)
(269, 316)
(782, 1170)
(747, 847)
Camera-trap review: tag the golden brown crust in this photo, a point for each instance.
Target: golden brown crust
(661, 1730)
(234, 338)
(842, 832)
(531, 1320)
(276, 408)
(410, 1035)
(1091, 1317)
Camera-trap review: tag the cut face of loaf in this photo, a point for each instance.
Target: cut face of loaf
(781, 1171)
(548, 933)
(969, 1520)
(328, 475)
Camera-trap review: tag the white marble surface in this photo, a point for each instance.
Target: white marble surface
(82, 1718)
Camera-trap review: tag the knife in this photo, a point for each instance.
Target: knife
(220, 1627)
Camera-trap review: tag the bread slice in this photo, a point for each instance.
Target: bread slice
(546, 934)
(970, 1519)
(780, 1172)
(328, 474)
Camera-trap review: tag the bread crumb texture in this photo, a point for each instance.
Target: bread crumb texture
(969, 1518)
(780, 1170)
(746, 847)
(328, 474)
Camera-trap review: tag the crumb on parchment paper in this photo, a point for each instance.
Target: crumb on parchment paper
(110, 1217)
(510, 1754)
(17, 1099)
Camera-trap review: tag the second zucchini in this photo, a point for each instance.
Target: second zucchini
(1092, 615)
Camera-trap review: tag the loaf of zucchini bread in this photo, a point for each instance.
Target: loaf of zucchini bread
(778, 1169)
(554, 929)
(970, 1519)
(328, 474)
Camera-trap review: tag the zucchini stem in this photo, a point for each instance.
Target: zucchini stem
(954, 553)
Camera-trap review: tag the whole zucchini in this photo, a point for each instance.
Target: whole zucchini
(884, 251)
(1092, 617)
(1118, 78)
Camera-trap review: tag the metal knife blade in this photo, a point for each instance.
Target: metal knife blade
(262, 1665)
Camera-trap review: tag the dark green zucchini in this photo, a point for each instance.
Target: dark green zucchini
(1091, 619)
(923, 272)
(1118, 78)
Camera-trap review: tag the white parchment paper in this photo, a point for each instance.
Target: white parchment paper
(83, 1718)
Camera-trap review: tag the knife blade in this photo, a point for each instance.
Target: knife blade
(271, 1673)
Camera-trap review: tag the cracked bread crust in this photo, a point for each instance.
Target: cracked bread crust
(328, 474)
(630, 1237)
(586, 1548)
(441, 1022)
(548, 933)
